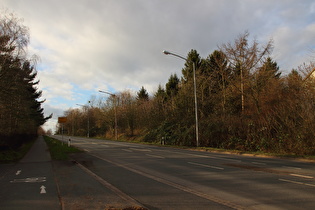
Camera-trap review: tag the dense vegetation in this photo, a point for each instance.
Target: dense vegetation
(244, 103)
(20, 109)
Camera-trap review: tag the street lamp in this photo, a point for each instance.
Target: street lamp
(114, 95)
(88, 116)
(195, 91)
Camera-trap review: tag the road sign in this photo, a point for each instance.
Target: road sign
(62, 119)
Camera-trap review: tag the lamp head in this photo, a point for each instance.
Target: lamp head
(166, 52)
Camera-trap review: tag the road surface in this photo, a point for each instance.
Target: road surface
(29, 184)
(167, 178)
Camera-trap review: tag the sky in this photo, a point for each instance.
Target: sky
(116, 45)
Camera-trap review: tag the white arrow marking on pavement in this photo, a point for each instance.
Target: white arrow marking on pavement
(42, 189)
(18, 172)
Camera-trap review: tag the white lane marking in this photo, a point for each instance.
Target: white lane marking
(294, 182)
(18, 172)
(178, 186)
(30, 180)
(206, 156)
(302, 176)
(289, 167)
(142, 150)
(208, 166)
(103, 145)
(127, 150)
(258, 163)
(42, 189)
(118, 192)
(155, 156)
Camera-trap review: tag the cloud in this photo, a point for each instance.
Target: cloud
(86, 45)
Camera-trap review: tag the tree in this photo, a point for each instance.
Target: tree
(265, 84)
(245, 58)
(142, 94)
(187, 72)
(21, 113)
(172, 86)
(215, 76)
(17, 34)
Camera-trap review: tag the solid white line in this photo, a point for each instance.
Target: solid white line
(155, 156)
(114, 189)
(294, 182)
(178, 186)
(208, 166)
(303, 176)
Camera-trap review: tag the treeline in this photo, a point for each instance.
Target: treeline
(244, 103)
(20, 109)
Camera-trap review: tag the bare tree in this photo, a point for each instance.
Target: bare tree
(245, 57)
(12, 27)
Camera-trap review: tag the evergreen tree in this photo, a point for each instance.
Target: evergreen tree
(192, 57)
(21, 113)
(142, 94)
(172, 86)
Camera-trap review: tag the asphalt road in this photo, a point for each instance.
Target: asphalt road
(167, 178)
(29, 184)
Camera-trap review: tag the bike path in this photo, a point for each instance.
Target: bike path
(30, 184)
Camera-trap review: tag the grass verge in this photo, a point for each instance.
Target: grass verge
(59, 150)
(11, 156)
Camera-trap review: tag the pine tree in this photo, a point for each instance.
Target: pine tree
(192, 57)
(142, 94)
(21, 113)
(172, 86)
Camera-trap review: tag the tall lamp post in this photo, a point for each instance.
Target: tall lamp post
(195, 92)
(88, 121)
(115, 107)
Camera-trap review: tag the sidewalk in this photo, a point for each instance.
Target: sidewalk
(37, 182)
(38, 153)
(30, 184)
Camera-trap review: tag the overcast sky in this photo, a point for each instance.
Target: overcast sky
(115, 45)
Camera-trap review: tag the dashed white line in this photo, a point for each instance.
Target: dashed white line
(212, 157)
(302, 176)
(208, 166)
(103, 145)
(258, 163)
(142, 150)
(127, 150)
(294, 182)
(155, 156)
(290, 167)
(178, 186)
